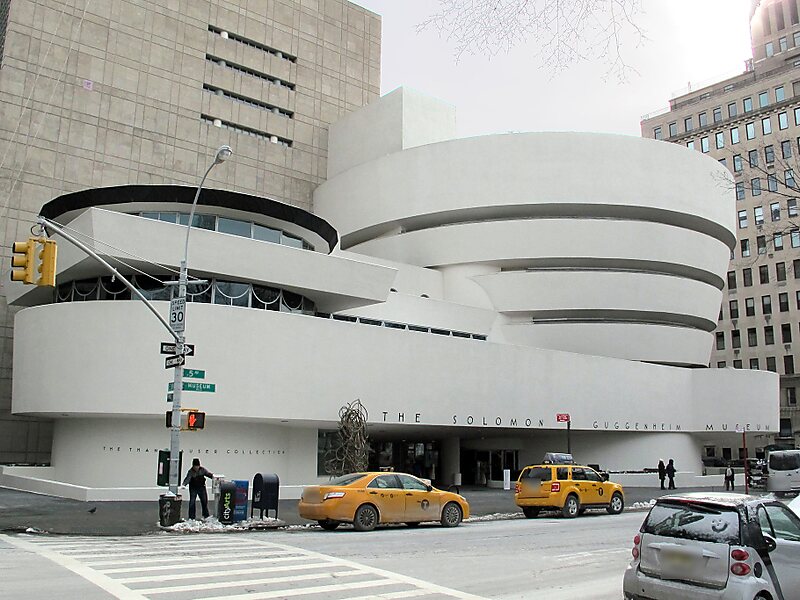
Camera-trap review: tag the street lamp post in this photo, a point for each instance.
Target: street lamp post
(178, 323)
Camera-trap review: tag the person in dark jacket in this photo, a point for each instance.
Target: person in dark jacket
(662, 473)
(671, 474)
(196, 480)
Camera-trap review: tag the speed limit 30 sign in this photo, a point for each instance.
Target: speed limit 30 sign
(177, 314)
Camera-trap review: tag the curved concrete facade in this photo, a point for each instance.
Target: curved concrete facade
(566, 227)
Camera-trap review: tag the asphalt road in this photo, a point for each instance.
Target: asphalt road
(551, 558)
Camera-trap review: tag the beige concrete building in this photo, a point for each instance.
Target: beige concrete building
(105, 93)
(751, 124)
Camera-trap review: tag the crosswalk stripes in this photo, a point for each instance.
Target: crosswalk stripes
(211, 567)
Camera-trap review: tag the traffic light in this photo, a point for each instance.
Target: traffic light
(47, 263)
(25, 257)
(169, 418)
(196, 420)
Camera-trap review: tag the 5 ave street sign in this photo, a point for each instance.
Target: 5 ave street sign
(169, 348)
(195, 386)
(174, 361)
(194, 374)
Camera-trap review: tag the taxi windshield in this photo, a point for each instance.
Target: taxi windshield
(347, 479)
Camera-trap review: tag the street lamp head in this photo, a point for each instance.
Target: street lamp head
(223, 152)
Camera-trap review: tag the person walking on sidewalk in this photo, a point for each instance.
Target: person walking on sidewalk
(662, 473)
(729, 478)
(671, 474)
(196, 479)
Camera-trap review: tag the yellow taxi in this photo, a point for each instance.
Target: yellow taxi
(569, 488)
(368, 499)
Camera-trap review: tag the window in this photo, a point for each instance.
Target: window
(763, 274)
(780, 271)
(723, 162)
(783, 302)
(794, 234)
(745, 247)
(797, 116)
(747, 277)
(769, 335)
(747, 105)
(687, 124)
(740, 196)
(752, 338)
(791, 207)
(752, 158)
(731, 280)
(673, 129)
(769, 154)
(775, 209)
(758, 211)
(750, 131)
(772, 186)
(783, 121)
(766, 126)
(734, 309)
(704, 144)
(766, 305)
(721, 364)
(788, 175)
(657, 133)
(782, 43)
(719, 139)
(690, 144)
(791, 396)
(786, 333)
(755, 187)
(763, 99)
(769, 48)
(742, 219)
(780, 94)
(777, 241)
(736, 339)
(786, 149)
(749, 307)
(702, 119)
(788, 364)
(737, 364)
(754, 363)
(385, 482)
(411, 483)
(771, 365)
(718, 114)
(734, 135)
(720, 340)
(732, 112)
(737, 163)
(796, 269)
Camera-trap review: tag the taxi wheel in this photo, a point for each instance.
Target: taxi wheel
(571, 507)
(530, 512)
(451, 515)
(328, 525)
(616, 505)
(366, 518)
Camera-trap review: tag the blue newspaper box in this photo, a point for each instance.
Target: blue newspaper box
(240, 505)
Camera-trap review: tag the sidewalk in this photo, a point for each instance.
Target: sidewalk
(21, 510)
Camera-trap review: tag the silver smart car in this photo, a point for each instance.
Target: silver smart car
(721, 546)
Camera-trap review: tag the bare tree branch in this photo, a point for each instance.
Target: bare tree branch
(566, 31)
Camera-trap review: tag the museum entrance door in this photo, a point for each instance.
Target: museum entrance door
(417, 457)
(485, 467)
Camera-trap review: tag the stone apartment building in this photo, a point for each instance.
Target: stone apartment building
(104, 93)
(751, 124)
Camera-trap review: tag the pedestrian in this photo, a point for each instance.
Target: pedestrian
(662, 473)
(196, 479)
(729, 478)
(671, 474)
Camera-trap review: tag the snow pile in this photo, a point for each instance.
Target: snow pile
(495, 517)
(212, 525)
(642, 505)
(34, 530)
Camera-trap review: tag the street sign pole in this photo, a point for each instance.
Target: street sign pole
(179, 324)
(569, 445)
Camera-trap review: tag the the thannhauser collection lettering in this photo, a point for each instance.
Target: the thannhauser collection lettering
(198, 451)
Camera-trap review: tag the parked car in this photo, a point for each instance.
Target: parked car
(722, 545)
(572, 489)
(367, 499)
(783, 471)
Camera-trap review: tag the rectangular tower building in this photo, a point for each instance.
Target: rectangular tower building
(751, 124)
(96, 93)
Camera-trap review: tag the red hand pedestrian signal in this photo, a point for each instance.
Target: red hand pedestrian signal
(196, 420)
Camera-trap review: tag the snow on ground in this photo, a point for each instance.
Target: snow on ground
(212, 525)
(642, 505)
(495, 517)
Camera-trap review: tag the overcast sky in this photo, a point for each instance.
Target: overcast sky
(697, 41)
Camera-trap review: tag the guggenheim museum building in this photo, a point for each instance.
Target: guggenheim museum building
(466, 291)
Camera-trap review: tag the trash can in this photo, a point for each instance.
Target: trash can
(169, 510)
(226, 502)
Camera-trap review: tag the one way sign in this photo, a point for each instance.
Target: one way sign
(174, 361)
(169, 348)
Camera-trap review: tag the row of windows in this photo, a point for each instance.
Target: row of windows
(766, 305)
(769, 156)
(778, 14)
(228, 293)
(247, 229)
(749, 131)
(772, 185)
(733, 111)
(763, 275)
(252, 43)
(770, 365)
(774, 207)
(248, 71)
(275, 139)
(783, 45)
(246, 100)
(772, 243)
(752, 337)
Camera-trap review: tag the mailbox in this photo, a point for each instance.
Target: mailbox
(266, 491)
(227, 502)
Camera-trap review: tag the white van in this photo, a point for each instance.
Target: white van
(784, 471)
